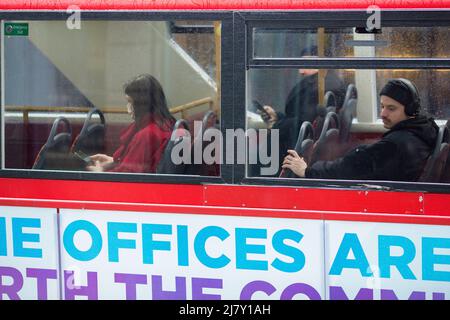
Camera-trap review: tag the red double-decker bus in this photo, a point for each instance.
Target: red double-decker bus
(216, 217)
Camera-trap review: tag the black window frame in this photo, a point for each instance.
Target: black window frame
(246, 21)
(226, 19)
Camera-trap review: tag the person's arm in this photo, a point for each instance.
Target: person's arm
(375, 161)
(366, 162)
(270, 116)
(144, 151)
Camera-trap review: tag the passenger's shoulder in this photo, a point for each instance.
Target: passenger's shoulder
(398, 136)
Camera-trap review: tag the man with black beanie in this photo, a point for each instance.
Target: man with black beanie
(401, 153)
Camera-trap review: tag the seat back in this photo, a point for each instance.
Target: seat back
(180, 135)
(56, 147)
(445, 176)
(327, 145)
(436, 162)
(209, 119)
(329, 99)
(304, 146)
(346, 114)
(350, 93)
(91, 139)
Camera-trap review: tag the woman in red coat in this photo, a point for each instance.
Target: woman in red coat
(142, 143)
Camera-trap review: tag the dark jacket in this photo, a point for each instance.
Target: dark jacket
(301, 105)
(141, 147)
(400, 155)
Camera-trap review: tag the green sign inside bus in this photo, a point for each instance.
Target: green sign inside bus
(16, 29)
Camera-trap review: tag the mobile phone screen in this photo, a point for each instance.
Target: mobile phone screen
(83, 156)
(259, 106)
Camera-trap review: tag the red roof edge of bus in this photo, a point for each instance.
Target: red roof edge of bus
(221, 4)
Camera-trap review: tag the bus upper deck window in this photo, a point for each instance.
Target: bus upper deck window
(52, 72)
(393, 42)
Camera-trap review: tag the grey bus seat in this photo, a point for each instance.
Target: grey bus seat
(350, 93)
(436, 163)
(445, 176)
(209, 120)
(329, 100)
(180, 134)
(91, 139)
(55, 150)
(346, 114)
(304, 146)
(327, 145)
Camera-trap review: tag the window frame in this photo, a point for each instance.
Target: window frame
(246, 21)
(226, 19)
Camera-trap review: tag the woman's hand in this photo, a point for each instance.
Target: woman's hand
(270, 116)
(295, 163)
(100, 162)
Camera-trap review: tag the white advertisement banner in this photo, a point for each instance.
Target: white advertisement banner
(133, 255)
(387, 261)
(28, 253)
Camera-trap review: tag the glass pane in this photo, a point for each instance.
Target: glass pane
(286, 107)
(53, 72)
(398, 42)
(198, 38)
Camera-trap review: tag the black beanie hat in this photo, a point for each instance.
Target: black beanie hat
(398, 91)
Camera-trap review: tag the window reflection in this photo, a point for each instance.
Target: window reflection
(329, 113)
(55, 72)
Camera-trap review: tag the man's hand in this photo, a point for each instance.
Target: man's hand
(270, 116)
(295, 163)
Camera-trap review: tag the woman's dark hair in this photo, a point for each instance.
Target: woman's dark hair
(148, 98)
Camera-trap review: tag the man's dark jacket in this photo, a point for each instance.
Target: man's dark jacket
(400, 155)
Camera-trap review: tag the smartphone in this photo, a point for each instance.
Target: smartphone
(259, 107)
(83, 156)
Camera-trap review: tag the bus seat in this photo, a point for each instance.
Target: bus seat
(329, 100)
(327, 145)
(346, 114)
(56, 148)
(350, 93)
(436, 164)
(445, 176)
(91, 139)
(203, 168)
(320, 119)
(304, 146)
(179, 134)
(209, 119)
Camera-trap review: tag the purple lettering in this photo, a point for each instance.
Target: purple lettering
(12, 289)
(438, 296)
(390, 295)
(198, 284)
(337, 293)
(159, 294)
(254, 286)
(71, 290)
(41, 276)
(301, 288)
(130, 280)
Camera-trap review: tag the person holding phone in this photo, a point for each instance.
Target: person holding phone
(401, 153)
(142, 143)
(301, 103)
